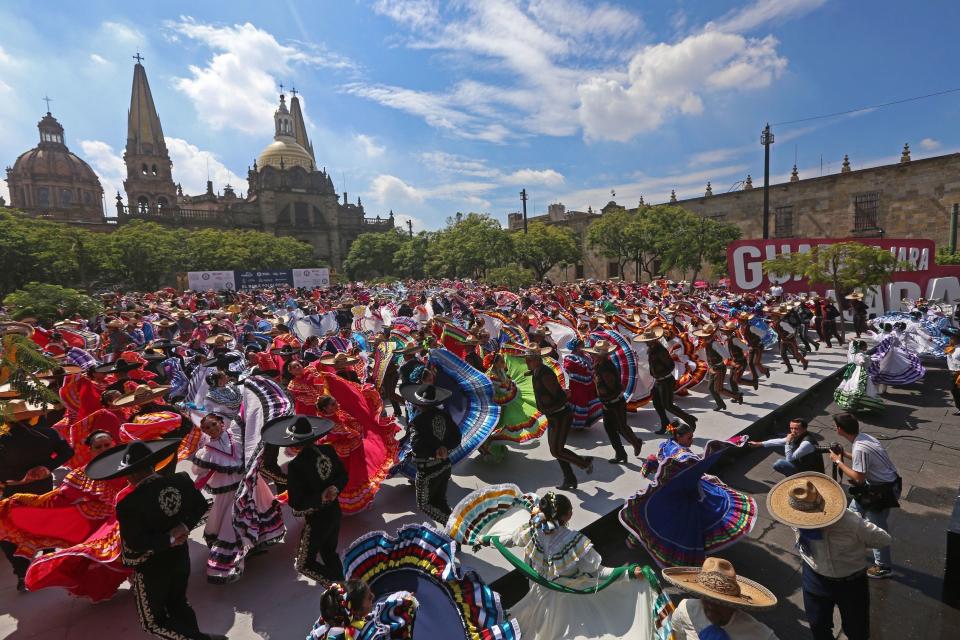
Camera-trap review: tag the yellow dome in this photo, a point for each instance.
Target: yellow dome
(287, 149)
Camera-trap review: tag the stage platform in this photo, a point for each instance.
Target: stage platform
(272, 601)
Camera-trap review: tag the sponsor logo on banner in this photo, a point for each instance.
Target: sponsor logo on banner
(206, 280)
(311, 278)
(926, 279)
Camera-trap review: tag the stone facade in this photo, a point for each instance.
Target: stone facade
(910, 199)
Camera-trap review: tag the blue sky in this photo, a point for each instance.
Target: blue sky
(431, 108)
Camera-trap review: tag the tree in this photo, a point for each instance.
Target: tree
(49, 302)
(409, 260)
(144, 254)
(545, 246)
(843, 265)
(614, 236)
(372, 254)
(467, 247)
(692, 240)
(20, 362)
(512, 276)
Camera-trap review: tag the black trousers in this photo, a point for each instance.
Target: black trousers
(851, 596)
(615, 424)
(956, 396)
(317, 555)
(160, 590)
(663, 402)
(830, 331)
(859, 323)
(19, 563)
(431, 482)
(558, 428)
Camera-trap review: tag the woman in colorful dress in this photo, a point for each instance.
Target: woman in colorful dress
(306, 387)
(572, 595)
(220, 467)
(582, 392)
(684, 514)
(364, 441)
(857, 392)
(892, 363)
(520, 421)
(347, 612)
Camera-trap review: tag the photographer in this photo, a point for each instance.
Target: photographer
(876, 483)
(799, 449)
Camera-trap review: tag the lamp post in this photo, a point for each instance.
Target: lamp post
(766, 139)
(523, 199)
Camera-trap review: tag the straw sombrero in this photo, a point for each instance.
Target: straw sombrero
(536, 352)
(706, 330)
(23, 410)
(340, 360)
(718, 581)
(600, 348)
(807, 500)
(855, 296)
(650, 335)
(141, 395)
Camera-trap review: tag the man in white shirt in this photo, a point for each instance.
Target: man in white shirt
(832, 541)
(799, 450)
(721, 598)
(877, 485)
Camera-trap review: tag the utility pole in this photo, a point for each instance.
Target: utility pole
(410, 227)
(766, 139)
(523, 199)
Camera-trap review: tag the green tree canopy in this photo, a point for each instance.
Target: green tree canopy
(372, 255)
(614, 236)
(844, 266)
(545, 246)
(409, 260)
(467, 247)
(49, 302)
(512, 276)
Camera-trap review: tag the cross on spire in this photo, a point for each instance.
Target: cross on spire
(48, 101)
(293, 90)
(139, 58)
(281, 87)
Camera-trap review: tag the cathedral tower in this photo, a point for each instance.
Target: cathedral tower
(149, 184)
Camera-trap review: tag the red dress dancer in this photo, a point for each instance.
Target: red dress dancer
(365, 442)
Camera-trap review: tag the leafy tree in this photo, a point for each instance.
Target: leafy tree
(843, 265)
(468, 247)
(49, 302)
(20, 362)
(545, 246)
(512, 276)
(409, 260)
(144, 254)
(372, 254)
(692, 240)
(615, 235)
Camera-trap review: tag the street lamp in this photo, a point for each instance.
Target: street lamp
(766, 139)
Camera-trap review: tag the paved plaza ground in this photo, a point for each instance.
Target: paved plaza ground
(271, 601)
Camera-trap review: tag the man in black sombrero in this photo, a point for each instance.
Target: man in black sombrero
(434, 435)
(609, 386)
(155, 520)
(315, 478)
(121, 369)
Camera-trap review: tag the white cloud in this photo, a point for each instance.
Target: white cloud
(387, 189)
(400, 222)
(98, 59)
(669, 79)
(4, 192)
(929, 144)
(109, 167)
(391, 191)
(369, 145)
(572, 18)
(123, 33)
(444, 162)
(547, 177)
(246, 62)
(762, 12)
(412, 13)
(190, 166)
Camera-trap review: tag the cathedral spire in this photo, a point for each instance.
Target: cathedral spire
(299, 126)
(144, 133)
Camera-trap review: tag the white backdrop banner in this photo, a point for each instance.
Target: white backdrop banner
(310, 278)
(206, 280)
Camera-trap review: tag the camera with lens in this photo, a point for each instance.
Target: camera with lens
(834, 447)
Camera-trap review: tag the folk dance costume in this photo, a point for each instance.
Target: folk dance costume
(393, 618)
(787, 336)
(315, 478)
(433, 435)
(520, 420)
(582, 394)
(892, 364)
(662, 369)
(684, 514)
(753, 336)
(716, 355)
(857, 392)
(953, 365)
(606, 379)
(738, 358)
(572, 595)
(155, 518)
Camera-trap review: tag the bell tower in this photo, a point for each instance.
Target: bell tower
(149, 184)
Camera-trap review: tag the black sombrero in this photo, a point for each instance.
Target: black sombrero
(222, 360)
(290, 431)
(129, 458)
(119, 366)
(425, 394)
(163, 343)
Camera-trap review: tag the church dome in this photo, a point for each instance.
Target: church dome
(52, 160)
(288, 152)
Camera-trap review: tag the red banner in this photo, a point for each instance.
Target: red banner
(927, 279)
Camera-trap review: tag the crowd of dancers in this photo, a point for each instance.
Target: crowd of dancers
(310, 400)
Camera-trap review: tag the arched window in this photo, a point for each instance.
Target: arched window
(43, 196)
(317, 216)
(153, 169)
(142, 204)
(143, 169)
(161, 203)
(302, 214)
(66, 197)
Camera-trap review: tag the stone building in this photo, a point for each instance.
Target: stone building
(287, 194)
(49, 181)
(909, 199)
